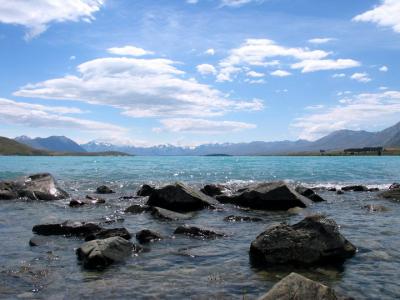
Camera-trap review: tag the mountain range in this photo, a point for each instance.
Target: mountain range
(337, 140)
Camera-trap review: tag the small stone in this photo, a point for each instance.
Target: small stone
(197, 232)
(147, 236)
(103, 189)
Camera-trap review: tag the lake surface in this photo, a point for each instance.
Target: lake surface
(184, 268)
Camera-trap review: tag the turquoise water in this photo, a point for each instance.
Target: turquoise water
(183, 268)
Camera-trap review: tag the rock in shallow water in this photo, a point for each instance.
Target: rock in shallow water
(212, 190)
(67, 228)
(147, 236)
(267, 196)
(181, 198)
(309, 193)
(145, 190)
(168, 215)
(107, 233)
(355, 188)
(393, 193)
(315, 240)
(103, 189)
(297, 287)
(241, 219)
(101, 253)
(376, 208)
(197, 232)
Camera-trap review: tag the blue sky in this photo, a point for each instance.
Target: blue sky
(188, 72)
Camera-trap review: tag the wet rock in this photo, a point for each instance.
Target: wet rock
(101, 253)
(181, 198)
(241, 219)
(168, 215)
(297, 287)
(394, 186)
(355, 188)
(313, 241)
(87, 201)
(68, 228)
(41, 186)
(197, 232)
(309, 193)
(212, 190)
(295, 210)
(376, 208)
(38, 241)
(339, 192)
(373, 189)
(137, 209)
(391, 194)
(267, 196)
(107, 233)
(103, 189)
(145, 190)
(147, 236)
(332, 189)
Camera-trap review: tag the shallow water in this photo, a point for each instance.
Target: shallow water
(180, 267)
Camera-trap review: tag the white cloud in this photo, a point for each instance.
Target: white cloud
(206, 69)
(210, 51)
(313, 65)
(384, 69)
(36, 15)
(192, 1)
(361, 77)
(255, 81)
(129, 51)
(140, 88)
(387, 14)
(72, 57)
(281, 73)
(202, 126)
(320, 40)
(339, 75)
(351, 113)
(35, 115)
(255, 74)
(258, 52)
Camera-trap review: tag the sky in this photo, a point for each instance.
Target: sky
(187, 72)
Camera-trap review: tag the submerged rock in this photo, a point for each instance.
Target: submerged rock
(393, 193)
(197, 232)
(103, 189)
(107, 233)
(309, 193)
(137, 209)
(315, 240)
(146, 236)
(88, 200)
(339, 192)
(355, 188)
(267, 196)
(297, 287)
(181, 198)
(241, 219)
(375, 208)
(394, 186)
(67, 228)
(212, 190)
(38, 241)
(101, 253)
(41, 186)
(145, 190)
(168, 215)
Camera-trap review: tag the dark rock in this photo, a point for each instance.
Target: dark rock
(355, 188)
(391, 194)
(197, 232)
(339, 192)
(7, 191)
(101, 253)
(297, 287)
(212, 190)
(394, 186)
(332, 189)
(241, 219)
(147, 236)
(103, 189)
(375, 208)
(137, 209)
(309, 193)
(88, 200)
(373, 190)
(76, 203)
(165, 214)
(67, 228)
(107, 233)
(267, 196)
(145, 190)
(181, 198)
(315, 240)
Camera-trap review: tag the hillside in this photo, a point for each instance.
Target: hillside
(51, 143)
(11, 147)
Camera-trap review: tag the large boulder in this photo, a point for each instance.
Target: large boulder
(145, 190)
(41, 186)
(168, 215)
(101, 253)
(309, 193)
(67, 228)
(393, 193)
(181, 198)
(313, 241)
(297, 287)
(267, 196)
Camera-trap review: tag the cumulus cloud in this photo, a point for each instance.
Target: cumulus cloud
(35, 115)
(338, 75)
(206, 69)
(320, 40)
(386, 14)
(260, 52)
(140, 88)
(36, 15)
(196, 125)
(384, 69)
(361, 77)
(255, 74)
(129, 51)
(281, 73)
(351, 113)
(210, 51)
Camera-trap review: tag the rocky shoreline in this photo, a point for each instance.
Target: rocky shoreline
(314, 241)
